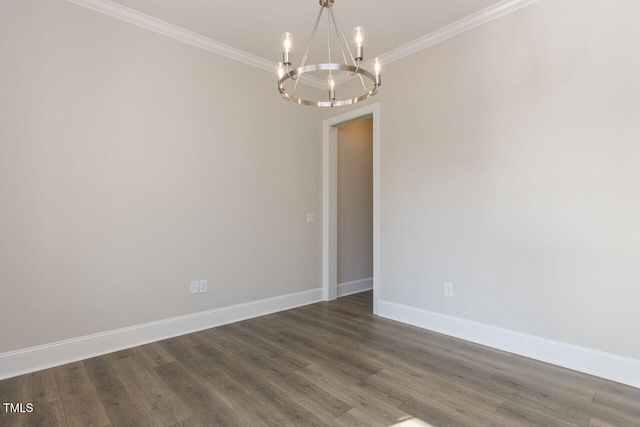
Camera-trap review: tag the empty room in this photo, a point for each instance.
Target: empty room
(320, 212)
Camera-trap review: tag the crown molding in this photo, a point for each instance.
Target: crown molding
(162, 27)
(159, 26)
(465, 24)
(140, 19)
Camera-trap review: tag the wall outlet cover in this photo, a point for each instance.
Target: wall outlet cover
(448, 289)
(204, 286)
(195, 287)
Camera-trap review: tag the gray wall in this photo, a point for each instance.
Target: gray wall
(355, 201)
(129, 165)
(510, 167)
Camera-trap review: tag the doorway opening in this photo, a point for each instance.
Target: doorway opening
(330, 205)
(355, 207)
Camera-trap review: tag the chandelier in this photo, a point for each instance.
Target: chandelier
(331, 68)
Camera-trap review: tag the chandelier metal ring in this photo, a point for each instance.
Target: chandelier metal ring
(356, 56)
(326, 67)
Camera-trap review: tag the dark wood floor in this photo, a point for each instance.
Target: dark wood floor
(324, 364)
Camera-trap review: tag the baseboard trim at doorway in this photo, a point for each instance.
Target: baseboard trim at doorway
(355, 287)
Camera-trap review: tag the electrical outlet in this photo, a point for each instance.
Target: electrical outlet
(448, 289)
(195, 287)
(311, 218)
(204, 287)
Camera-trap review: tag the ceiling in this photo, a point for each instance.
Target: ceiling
(256, 26)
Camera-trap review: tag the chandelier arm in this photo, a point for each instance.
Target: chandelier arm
(306, 52)
(329, 36)
(313, 36)
(344, 38)
(344, 56)
(295, 87)
(340, 32)
(364, 86)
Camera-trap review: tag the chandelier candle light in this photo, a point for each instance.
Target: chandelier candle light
(354, 69)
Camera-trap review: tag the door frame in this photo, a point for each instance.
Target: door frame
(330, 199)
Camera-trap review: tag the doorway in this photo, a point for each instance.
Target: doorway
(355, 207)
(330, 199)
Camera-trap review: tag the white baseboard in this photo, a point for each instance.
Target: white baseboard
(605, 365)
(32, 359)
(354, 287)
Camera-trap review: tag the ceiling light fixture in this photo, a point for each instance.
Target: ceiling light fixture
(332, 68)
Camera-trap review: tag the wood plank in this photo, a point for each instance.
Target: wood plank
(215, 408)
(149, 393)
(154, 355)
(518, 414)
(416, 383)
(257, 411)
(261, 389)
(39, 387)
(10, 390)
(297, 388)
(86, 410)
(511, 389)
(351, 365)
(50, 413)
(603, 401)
(257, 343)
(82, 405)
(346, 390)
(449, 413)
(122, 354)
(597, 423)
(357, 417)
(117, 402)
(225, 341)
(435, 359)
(195, 421)
(190, 358)
(614, 409)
